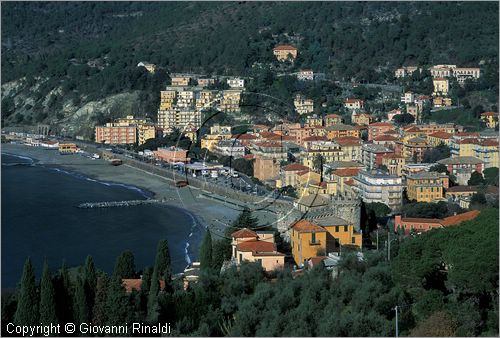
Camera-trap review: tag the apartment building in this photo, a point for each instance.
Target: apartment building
(205, 99)
(236, 83)
(341, 130)
(329, 151)
(127, 130)
(455, 164)
(285, 52)
(426, 186)
(441, 86)
(180, 119)
(167, 99)
(180, 81)
(379, 128)
(351, 148)
(148, 66)
(463, 74)
(303, 105)
(332, 119)
(266, 168)
(405, 71)
(372, 154)
(313, 121)
(230, 102)
(205, 82)
(305, 75)
(438, 138)
(172, 155)
(408, 97)
(232, 148)
(490, 118)
(354, 104)
(362, 119)
(414, 148)
(376, 186)
(394, 163)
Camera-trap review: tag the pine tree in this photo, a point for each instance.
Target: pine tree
(162, 263)
(47, 298)
(100, 306)
(206, 252)
(81, 310)
(244, 220)
(27, 305)
(153, 306)
(125, 266)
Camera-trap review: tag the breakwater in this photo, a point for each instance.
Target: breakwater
(114, 204)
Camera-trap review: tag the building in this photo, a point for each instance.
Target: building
(394, 163)
(426, 186)
(332, 119)
(329, 151)
(205, 82)
(438, 138)
(167, 99)
(464, 74)
(441, 86)
(379, 128)
(232, 148)
(266, 168)
(341, 130)
(408, 97)
(341, 176)
(308, 240)
(145, 131)
(172, 155)
(285, 52)
(303, 105)
(405, 71)
(459, 191)
(351, 148)
(442, 71)
(372, 155)
(236, 83)
(290, 173)
(419, 225)
(180, 81)
(376, 186)
(340, 233)
(490, 118)
(305, 75)
(361, 119)
(414, 110)
(259, 247)
(230, 102)
(313, 121)
(179, 118)
(354, 104)
(149, 66)
(67, 148)
(487, 151)
(439, 101)
(471, 163)
(127, 130)
(205, 99)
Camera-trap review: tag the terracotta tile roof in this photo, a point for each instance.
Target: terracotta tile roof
(295, 167)
(284, 47)
(467, 133)
(332, 116)
(304, 172)
(348, 172)
(457, 219)
(349, 182)
(347, 140)
(353, 100)
(412, 129)
(462, 188)
(488, 143)
(314, 138)
(135, 284)
(261, 126)
(360, 127)
(381, 124)
(392, 155)
(441, 78)
(268, 134)
(441, 134)
(244, 136)
(249, 157)
(244, 233)
(385, 137)
(421, 220)
(314, 261)
(489, 113)
(307, 226)
(270, 145)
(256, 246)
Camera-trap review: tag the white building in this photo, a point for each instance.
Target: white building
(178, 118)
(408, 97)
(303, 105)
(305, 75)
(236, 83)
(377, 186)
(230, 148)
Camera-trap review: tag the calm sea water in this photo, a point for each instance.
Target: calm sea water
(40, 219)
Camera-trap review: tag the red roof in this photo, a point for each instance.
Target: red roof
(304, 225)
(314, 261)
(268, 134)
(413, 129)
(349, 182)
(488, 142)
(421, 220)
(269, 145)
(256, 246)
(457, 219)
(381, 124)
(244, 233)
(441, 134)
(392, 155)
(249, 157)
(135, 284)
(489, 113)
(347, 140)
(385, 137)
(353, 100)
(295, 167)
(244, 136)
(440, 78)
(334, 116)
(284, 47)
(314, 138)
(467, 133)
(347, 172)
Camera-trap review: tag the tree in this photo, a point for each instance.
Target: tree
(476, 179)
(404, 119)
(478, 200)
(244, 220)
(317, 163)
(221, 251)
(491, 176)
(440, 168)
(439, 324)
(100, 306)
(116, 303)
(81, 309)
(433, 155)
(125, 266)
(90, 283)
(47, 298)
(27, 305)
(162, 262)
(153, 305)
(206, 252)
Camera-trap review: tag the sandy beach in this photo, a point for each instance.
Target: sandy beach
(212, 213)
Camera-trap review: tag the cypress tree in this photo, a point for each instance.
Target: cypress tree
(27, 305)
(153, 306)
(125, 265)
(116, 303)
(47, 298)
(146, 279)
(244, 220)
(162, 263)
(64, 296)
(81, 310)
(90, 284)
(100, 306)
(206, 252)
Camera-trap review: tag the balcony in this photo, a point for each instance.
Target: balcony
(315, 243)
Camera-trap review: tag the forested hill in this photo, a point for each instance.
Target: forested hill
(91, 49)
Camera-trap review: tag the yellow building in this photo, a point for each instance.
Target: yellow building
(313, 121)
(230, 102)
(362, 119)
(487, 151)
(67, 148)
(308, 240)
(332, 119)
(329, 151)
(149, 66)
(411, 132)
(290, 174)
(426, 186)
(210, 141)
(415, 148)
(394, 163)
(341, 130)
(340, 233)
(341, 176)
(167, 99)
(351, 148)
(206, 99)
(438, 138)
(490, 118)
(441, 86)
(463, 147)
(145, 131)
(285, 52)
(180, 81)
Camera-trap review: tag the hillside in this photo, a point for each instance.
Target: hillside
(70, 54)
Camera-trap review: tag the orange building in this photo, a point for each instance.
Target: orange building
(110, 134)
(285, 52)
(171, 155)
(266, 168)
(379, 128)
(308, 240)
(341, 130)
(419, 225)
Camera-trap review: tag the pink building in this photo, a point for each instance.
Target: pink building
(171, 155)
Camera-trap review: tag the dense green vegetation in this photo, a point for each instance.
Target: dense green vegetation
(444, 282)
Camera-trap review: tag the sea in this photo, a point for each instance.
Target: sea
(40, 220)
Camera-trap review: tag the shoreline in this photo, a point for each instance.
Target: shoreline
(209, 213)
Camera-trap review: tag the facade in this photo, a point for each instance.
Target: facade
(305, 75)
(205, 99)
(329, 151)
(171, 155)
(167, 99)
(259, 247)
(332, 119)
(145, 131)
(110, 134)
(290, 173)
(426, 186)
(180, 81)
(405, 71)
(340, 233)
(414, 149)
(372, 155)
(236, 83)
(341, 130)
(308, 240)
(379, 128)
(232, 148)
(285, 52)
(408, 97)
(266, 168)
(394, 163)
(490, 118)
(177, 118)
(230, 102)
(354, 104)
(67, 148)
(362, 119)
(376, 186)
(463, 74)
(341, 176)
(438, 138)
(441, 86)
(419, 225)
(303, 105)
(205, 82)
(149, 66)
(455, 164)
(351, 148)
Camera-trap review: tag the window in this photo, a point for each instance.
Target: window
(346, 228)
(353, 240)
(241, 257)
(313, 240)
(337, 228)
